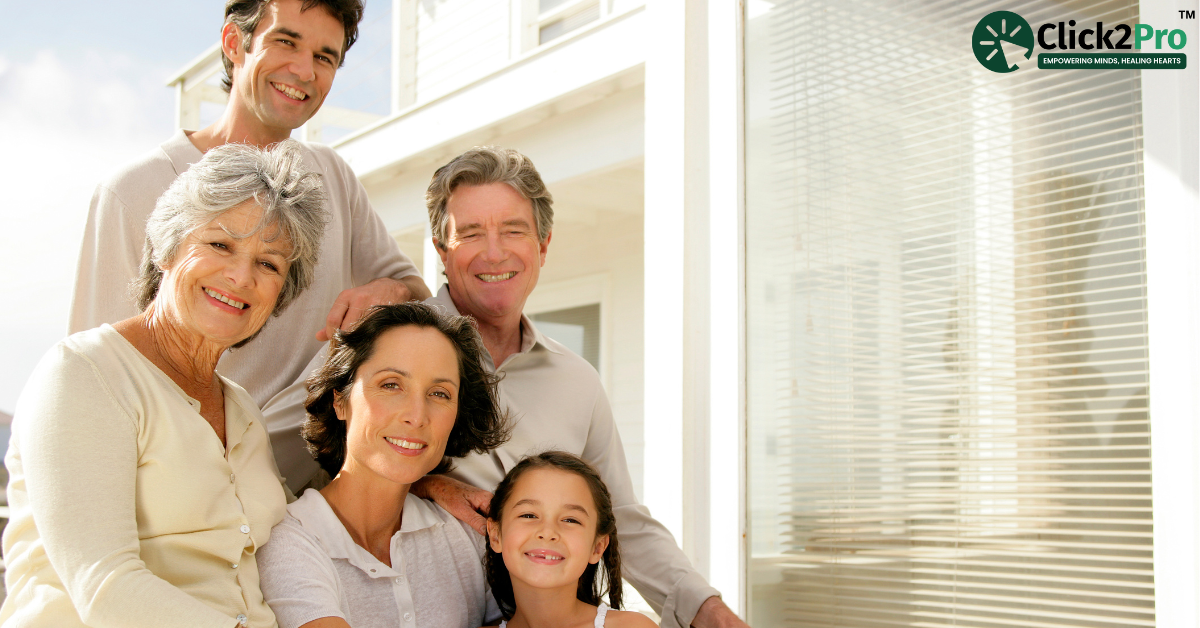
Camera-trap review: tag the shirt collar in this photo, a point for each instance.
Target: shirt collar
(318, 518)
(183, 153)
(531, 336)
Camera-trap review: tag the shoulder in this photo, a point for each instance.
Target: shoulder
(627, 619)
(291, 546)
(144, 179)
(326, 160)
(565, 361)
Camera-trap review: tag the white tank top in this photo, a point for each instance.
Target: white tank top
(601, 611)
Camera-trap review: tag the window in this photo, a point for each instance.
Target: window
(946, 314)
(577, 327)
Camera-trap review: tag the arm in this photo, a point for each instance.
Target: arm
(715, 614)
(651, 559)
(79, 454)
(108, 262)
(467, 503)
(374, 255)
(351, 304)
(298, 579)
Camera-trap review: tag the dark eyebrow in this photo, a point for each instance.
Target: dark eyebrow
(438, 380)
(534, 502)
(337, 56)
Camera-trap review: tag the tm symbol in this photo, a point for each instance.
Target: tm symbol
(1187, 15)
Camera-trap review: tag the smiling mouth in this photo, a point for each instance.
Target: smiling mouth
(224, 299)
(290, 91)
(495, 278)
(543, 555)
(406, 444)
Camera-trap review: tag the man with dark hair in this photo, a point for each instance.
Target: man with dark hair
(492, 221)
(280, 58)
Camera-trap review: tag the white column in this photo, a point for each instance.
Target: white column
(404, 53)
(1171, 127)
(694, 303)
(431, 265)
(726, 458)
(670, 159)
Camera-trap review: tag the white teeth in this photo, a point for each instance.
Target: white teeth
(494, 278)
(224, 299)
(407, 444)
(545, 557)
(294, 93)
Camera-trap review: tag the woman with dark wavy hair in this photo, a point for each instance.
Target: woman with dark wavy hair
(399, 397)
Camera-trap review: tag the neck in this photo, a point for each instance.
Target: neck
(237, 126)
(549, 608)
(501, 334)
(187, 358)
(370, 508)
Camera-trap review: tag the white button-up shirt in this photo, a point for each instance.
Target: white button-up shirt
(313, 569)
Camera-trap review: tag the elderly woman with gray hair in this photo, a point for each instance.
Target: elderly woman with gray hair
(142, 482)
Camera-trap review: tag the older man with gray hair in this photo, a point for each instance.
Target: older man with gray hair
(492, 219)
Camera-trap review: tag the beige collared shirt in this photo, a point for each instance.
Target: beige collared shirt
(558, 403)
(313, 569)
(125, 509)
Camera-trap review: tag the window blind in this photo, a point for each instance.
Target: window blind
(947, 371)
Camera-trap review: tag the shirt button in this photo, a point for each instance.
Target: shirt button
(241, 619)
(400, 580)
(245, 529)
(233, 566)
(232, 478)
(408, 617)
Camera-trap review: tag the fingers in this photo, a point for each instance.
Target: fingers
(333, 321)
(478, 522)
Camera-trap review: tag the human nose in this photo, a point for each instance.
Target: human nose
(495, 249)
(240, 271)
(413, 411)
(548, 531)
(303, 66)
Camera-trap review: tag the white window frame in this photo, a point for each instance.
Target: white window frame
(577, 292)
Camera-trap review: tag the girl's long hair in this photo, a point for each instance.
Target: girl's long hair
(592, 586)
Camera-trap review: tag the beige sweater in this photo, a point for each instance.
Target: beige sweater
(125, 510)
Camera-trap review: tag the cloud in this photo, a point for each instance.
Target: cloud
(66, 120)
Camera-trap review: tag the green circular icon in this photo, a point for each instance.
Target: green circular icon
(997, 27)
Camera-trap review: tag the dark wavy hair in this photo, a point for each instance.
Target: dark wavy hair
(591, 587)
(246, 14)
(480, 425)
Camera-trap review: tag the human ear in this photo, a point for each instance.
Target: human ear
(339, 408)
(598, 549)
(493, 530)
(231, 43)
(543, 247)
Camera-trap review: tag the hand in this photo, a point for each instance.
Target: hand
(351, 304)
(467, 503)
(714, 613)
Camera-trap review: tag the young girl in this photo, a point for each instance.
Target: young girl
(551, 526)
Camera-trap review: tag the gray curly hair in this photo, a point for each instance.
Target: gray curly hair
(483, 165)
(292, 198)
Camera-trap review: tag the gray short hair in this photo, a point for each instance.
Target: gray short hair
(291, 197)
(483, 165)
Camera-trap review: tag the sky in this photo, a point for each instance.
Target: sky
(83, 91)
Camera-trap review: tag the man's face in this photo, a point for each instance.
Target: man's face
(493, 255)
(284, 77)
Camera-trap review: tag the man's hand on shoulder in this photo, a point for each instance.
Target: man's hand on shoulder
(467, 503)
(714, 613)
(351, 304)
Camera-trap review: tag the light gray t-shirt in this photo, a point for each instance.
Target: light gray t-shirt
(311, 568)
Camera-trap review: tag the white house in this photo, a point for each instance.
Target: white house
(892, 339)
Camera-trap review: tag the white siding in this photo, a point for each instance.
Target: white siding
(459, 41)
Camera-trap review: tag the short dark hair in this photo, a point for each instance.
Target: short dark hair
(245, 14)
(591, 588)
(480, 425)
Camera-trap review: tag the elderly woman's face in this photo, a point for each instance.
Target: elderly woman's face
(221, 286)
(402, 405)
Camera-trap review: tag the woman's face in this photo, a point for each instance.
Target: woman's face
(401, 406)
(223, 287)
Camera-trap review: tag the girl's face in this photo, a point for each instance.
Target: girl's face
(547, 530)
(402, 406)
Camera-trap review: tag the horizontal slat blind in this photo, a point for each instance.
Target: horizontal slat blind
(947, 333)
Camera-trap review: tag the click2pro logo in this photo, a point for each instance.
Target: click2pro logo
(1002, 38)
(991, 35)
